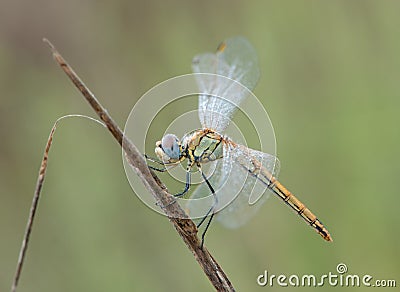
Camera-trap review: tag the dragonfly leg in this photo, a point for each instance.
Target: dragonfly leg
(164, 164)
(152, 159)
(210, 211)
(157, 169)
(187, 185)
(155, 160)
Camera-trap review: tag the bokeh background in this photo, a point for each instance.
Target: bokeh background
(330, 82)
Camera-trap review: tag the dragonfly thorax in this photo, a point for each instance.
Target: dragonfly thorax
(203, 145)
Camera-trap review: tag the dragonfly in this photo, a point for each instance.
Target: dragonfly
(240, 176)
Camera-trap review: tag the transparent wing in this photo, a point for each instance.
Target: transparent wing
(235, 59)
(246, 186)
(240, 180)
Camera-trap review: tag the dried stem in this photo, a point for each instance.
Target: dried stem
(181, 222)
(32, 212)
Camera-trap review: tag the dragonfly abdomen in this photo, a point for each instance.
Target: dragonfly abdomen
(300, 208)
(254, 165)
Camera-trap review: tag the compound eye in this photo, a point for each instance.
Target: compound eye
(170, 145)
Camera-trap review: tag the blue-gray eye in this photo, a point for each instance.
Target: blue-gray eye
(170, 146)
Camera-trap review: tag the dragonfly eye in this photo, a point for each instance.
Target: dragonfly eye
(170, 145)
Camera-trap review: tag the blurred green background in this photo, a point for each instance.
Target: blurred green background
(330, 82)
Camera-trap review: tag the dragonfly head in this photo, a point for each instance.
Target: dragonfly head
(169, 148)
